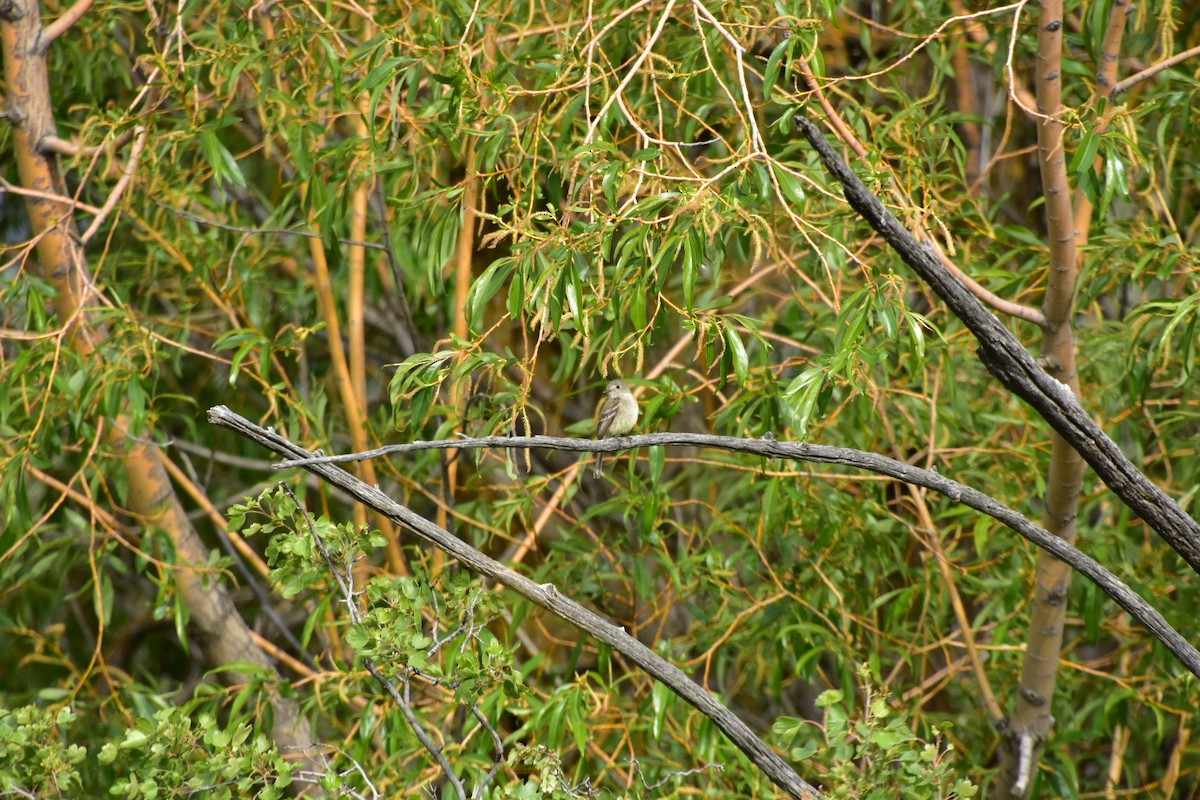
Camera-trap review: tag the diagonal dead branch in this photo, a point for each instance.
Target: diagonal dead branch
(1011, 364)
(545, 596)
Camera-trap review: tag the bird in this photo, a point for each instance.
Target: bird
(617, 415)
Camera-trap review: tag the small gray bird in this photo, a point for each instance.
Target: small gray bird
(616, 416)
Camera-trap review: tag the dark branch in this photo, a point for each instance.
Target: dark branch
(1012, 365)
(545, 596)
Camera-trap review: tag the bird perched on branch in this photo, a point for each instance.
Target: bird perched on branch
(616, 416)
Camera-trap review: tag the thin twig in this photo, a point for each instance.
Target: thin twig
(497, 742)
(212, 223)
(63, 24)
(633, 71)
(51, 196)
(64, 147)
(1154, 69)
(345, 582)
(114, 197)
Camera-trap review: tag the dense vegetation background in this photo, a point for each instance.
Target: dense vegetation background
(370, 223)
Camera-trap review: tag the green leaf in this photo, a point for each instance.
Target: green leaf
(693, 260)
(637, 308)
(485, 287)
(134, 740)
(1085, 156)
(738, 351)
(1110, 187)
(358, 637)
(790, 186)
(1119, 178)
(916, 332)
(222, 162)
(657, 462)
(104, 599)
(775, 63)
(571, 290)
(803, 394)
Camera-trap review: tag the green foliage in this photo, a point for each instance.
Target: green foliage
(410, 629)
(143, 762)
(654, 217)
(35, 758)
(223, 762)
(873, 754)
